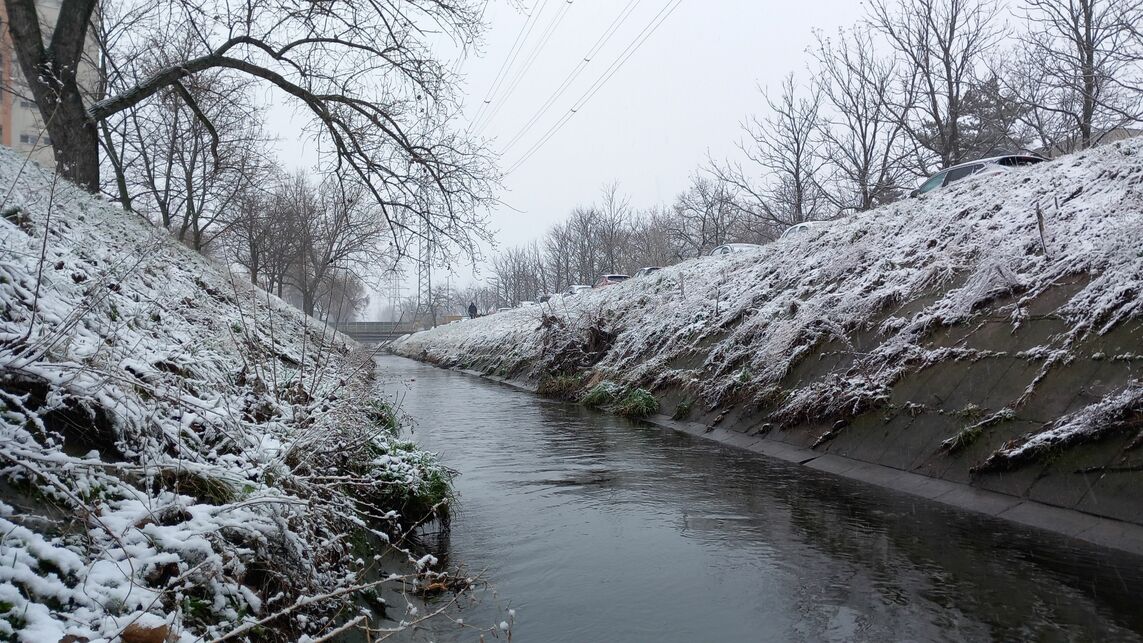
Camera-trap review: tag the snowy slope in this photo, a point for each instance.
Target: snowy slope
(730, 328)
(180, 453)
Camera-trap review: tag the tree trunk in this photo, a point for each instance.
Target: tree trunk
(51, 75)
(75, 142)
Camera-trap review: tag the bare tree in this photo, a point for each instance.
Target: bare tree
(614, 211)
(558, 260)
(650, 241)
(172, 169)
(942, 45)
(863, 132)
(1078, 69)
(705, 216)
(362, 69)
(781, 185)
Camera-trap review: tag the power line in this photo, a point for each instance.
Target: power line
(511, 56)
(517, 47)
(623, 57)
(529, 61)
(574, 74)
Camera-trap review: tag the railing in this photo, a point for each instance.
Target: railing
(374, 332)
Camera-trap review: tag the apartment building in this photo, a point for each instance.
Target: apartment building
(21, 127)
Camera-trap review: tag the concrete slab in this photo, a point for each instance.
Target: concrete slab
(783, 451)
(1064, 521)
(1116, 495)
(734, 438)
(1116, 535)
(1013, 483)
(927, 487)
(832, 464)
(881, 476)
(987, 502)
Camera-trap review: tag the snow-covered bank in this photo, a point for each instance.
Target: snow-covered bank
(1029, 283)
(182, 456)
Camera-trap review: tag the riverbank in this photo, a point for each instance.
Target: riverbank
(183, 457)
(988, 336)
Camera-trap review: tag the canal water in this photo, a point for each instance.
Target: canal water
(593, 528)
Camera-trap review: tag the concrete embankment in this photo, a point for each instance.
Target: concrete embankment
(981, 346)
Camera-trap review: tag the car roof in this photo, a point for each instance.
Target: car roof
(994, 159)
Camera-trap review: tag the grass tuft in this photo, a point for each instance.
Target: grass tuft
(603, 394)
(638, 403)
(560, 387)
(682, 410)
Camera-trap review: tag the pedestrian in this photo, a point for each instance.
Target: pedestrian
(472, 310)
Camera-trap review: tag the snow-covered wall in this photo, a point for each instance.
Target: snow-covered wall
(989, 332)
(181, 455)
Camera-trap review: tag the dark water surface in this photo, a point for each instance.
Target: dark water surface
(595, 529)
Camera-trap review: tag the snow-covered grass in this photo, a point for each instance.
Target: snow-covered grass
(180, 453)
(729, 329)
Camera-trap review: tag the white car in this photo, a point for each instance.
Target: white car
(732, 248)
(799, 229)
(577, 289)
(984, 167)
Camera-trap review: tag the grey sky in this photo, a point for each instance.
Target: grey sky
(683, 92)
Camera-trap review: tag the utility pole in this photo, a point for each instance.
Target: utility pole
(425, 308)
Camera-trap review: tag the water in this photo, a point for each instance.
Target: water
(596, 529)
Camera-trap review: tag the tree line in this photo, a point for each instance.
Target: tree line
(175, 128)
(916, 87)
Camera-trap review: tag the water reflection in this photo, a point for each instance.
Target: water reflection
(597, 529)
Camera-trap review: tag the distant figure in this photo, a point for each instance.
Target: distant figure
(472, 310)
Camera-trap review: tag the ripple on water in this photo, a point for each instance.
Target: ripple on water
(597, 529)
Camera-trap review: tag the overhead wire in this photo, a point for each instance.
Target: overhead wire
(623, 57)
(526, 27)
(529, 60)
(575, 72)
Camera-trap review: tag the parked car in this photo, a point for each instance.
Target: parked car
(983, 167)
(525, 303)
(642, 272)
(609, 280)
(502, 309)
(801, 228)
(731, 248)
(576, 289)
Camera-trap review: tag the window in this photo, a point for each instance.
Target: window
(958, 173)
(28, 139)
(27, 104)
(1019, 161)
(933, 183)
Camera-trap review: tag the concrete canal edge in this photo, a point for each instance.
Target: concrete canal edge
(1097, 530)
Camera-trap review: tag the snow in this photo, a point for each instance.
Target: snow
(166, 430)
(735, 325)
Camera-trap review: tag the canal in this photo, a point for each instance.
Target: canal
(592, 528)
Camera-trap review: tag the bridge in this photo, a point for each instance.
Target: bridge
(375, 332)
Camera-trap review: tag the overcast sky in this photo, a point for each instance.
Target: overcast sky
(682, 93)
